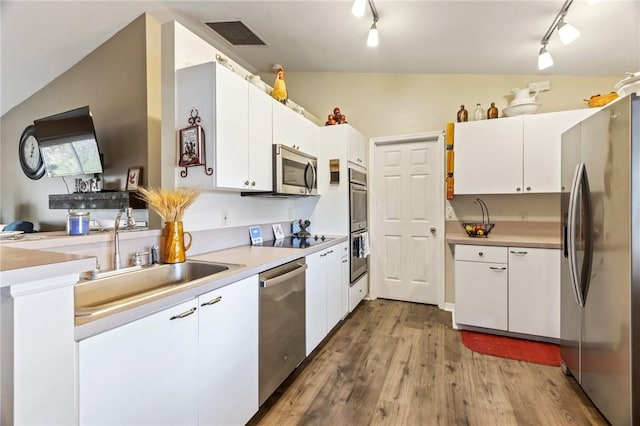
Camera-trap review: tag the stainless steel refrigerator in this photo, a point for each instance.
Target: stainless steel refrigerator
(600, 291)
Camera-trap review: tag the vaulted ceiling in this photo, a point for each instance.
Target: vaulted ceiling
(42, 39)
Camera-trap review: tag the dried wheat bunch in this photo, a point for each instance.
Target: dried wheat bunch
(171, 205)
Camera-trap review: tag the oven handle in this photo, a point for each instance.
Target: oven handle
(284, 277)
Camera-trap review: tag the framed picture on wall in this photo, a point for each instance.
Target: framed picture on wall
(134, 178)
(191, 149)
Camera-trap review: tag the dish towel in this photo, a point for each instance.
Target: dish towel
(364, 245)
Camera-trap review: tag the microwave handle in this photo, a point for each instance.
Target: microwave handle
(308, 184)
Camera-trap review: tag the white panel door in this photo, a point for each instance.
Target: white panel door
(481, 294)
(334, 287)
(408, 207)
(316, 300)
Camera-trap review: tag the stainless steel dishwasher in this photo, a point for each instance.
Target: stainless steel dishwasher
(282, 324)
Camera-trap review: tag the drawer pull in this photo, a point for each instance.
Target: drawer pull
(517, 252)
(184, 314)
(480, 254)
(496, 268)
(212, 301)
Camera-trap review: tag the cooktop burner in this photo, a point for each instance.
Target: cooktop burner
(297, 242)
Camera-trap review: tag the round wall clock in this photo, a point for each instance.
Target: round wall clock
(29, 153)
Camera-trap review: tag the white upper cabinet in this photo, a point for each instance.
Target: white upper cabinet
(488, 156)
(514, 155)
(236, 124)
(357, 147)
(293, 129)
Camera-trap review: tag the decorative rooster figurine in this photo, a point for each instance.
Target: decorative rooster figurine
(279, 88)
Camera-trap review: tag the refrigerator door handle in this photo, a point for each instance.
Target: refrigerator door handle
(574, 203)
(585, 276)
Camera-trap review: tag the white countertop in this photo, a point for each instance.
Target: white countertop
(19, 265)
(510, 234)
(252, 261)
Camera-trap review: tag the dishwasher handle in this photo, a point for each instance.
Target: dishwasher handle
(284, 277)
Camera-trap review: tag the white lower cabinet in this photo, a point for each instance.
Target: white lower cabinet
(481, 286)
(515, 289)
(534, 291)
(194, 363)
(228, 354)
(344, 265)
(142, 373)
(358, 291)
(324, 293)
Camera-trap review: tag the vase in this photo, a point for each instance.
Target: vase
(174, 248)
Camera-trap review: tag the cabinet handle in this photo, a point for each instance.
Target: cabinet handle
(518, 189)
(253, 183)
(330, 251)
(212, 301)
(480, 254)
(518, 252)
(345, 261)
(496, 268)
(528, 188)
(184, 314)
(246, 182)
(323, 254)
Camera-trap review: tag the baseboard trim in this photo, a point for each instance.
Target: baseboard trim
(451, 307)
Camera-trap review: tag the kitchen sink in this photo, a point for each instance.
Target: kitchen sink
(119, 290)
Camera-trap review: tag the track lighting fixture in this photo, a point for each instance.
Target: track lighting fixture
(358, 9)
(567, 34)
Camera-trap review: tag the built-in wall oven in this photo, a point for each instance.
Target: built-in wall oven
(359, 235)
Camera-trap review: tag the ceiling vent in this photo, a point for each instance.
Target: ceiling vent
(236, 33)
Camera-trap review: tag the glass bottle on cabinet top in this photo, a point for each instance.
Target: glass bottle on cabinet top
(478, 114)
(463, 114)
(492, 112)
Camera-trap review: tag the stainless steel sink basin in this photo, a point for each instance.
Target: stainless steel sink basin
(118, 291)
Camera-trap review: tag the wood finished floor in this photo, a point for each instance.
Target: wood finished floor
(398, 363)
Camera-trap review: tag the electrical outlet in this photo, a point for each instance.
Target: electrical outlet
(225, 218)
(450, 213)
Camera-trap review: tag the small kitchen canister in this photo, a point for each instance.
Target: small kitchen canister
(77, 223)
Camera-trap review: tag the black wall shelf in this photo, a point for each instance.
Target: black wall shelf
(96, 200)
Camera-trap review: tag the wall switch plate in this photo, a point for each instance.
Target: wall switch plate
(542, 86)
(225, 217)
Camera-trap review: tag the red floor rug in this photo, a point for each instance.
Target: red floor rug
(512, 348)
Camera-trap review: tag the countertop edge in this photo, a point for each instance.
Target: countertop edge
(506, 240)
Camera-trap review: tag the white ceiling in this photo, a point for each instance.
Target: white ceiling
(42, 39)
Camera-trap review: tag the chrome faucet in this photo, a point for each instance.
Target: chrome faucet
(116, 241)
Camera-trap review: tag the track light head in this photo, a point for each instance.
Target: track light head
(358, 8)
(373, 39)
(544, 58)
(567, 32)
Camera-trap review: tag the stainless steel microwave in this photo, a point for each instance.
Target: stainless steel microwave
(294, 172)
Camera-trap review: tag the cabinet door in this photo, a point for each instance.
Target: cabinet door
(542, 146)
(308, 135)
(334, 287)
(344, 265)
(488, 156)
(284, 125)
(232, 129)
(481, 294)
(534, 291)
(260, 140)
(142, 373)
(316, 300)
(228, 354)
(357, 147)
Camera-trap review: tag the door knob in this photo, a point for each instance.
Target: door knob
(433, 230)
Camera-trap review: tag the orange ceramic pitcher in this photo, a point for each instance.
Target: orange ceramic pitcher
(174, 248)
